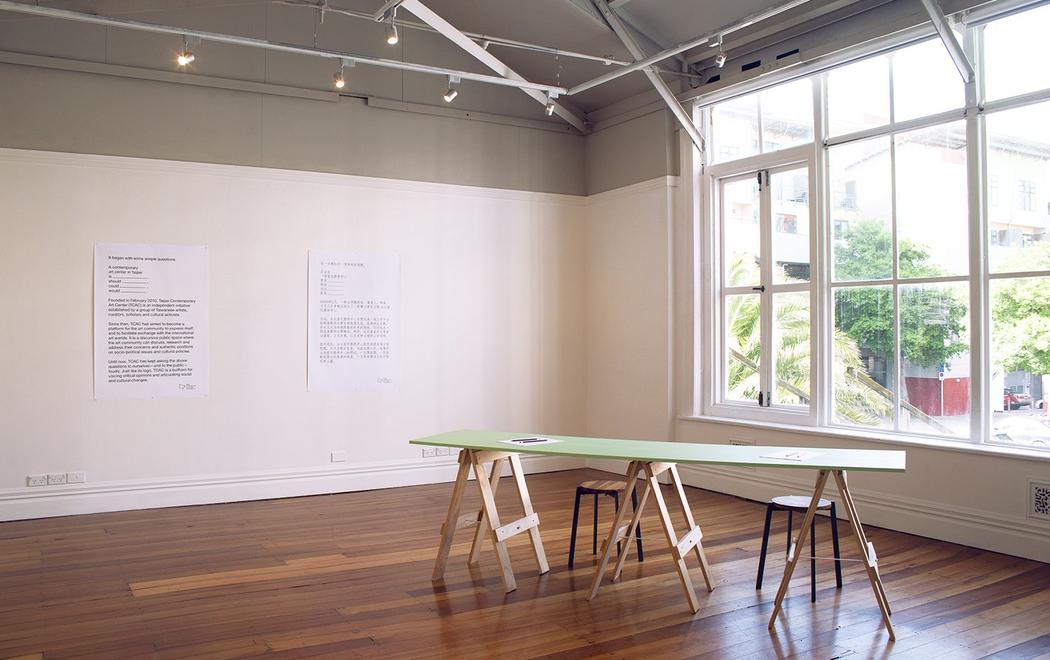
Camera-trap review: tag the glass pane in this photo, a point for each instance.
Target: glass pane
(790, 194)
(925, 81)
(859, 96)
(791, 327)
(743, 347)
(862, 371)
(1020, 367)
(1015, 54)
(740, 228)
(935, 358)
(734, 128)
(861, 205)
(787, 115)
(1019, 189)
(932, 202)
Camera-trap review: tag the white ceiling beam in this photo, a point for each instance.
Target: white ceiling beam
(588, 9)
(661, 86)
(950, 41)
(449, 31)
(613, 4)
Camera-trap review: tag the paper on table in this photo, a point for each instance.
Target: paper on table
(530, 441)
(791, 455)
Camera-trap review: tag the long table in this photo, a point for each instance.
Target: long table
(647, 460)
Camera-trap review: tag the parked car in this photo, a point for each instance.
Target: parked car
(1015, 400)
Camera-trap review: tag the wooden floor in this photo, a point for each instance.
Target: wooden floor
(347, 576)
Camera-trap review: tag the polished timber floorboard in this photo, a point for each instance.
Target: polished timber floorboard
(348, 576)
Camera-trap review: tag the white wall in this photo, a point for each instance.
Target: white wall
(492, 328)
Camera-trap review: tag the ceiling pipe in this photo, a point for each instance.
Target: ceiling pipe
(63, 14)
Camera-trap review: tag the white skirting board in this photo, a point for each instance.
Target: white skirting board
(47, 502)
(1013, 536)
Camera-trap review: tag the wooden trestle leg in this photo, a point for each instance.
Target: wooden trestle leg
(680, 548)
(487, 520)
(867, 550)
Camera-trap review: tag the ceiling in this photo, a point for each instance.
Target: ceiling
(563, 24)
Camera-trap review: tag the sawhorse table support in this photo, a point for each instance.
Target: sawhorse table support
(867, 550)
(487, 519)
(680, 547)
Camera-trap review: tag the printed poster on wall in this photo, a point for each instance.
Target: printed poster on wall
(353, 321)
(151, 321)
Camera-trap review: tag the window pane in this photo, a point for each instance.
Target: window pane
(1019, 189)
(1015, 54)
(859, 96)
(861, 203)
(734, 128)
(790, 195)
(932, 202)
(743, 347)
(791, 326)
(787, 115)
(925, 81)
(935, 357)
(862, 370)
(741, 236)
(1020, 367)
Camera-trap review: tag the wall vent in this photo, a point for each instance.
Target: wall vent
(1039, 500)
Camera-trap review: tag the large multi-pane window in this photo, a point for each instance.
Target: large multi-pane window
(866, 306)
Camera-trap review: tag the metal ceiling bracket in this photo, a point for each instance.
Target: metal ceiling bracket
(428, 16)
(388, 6)
(951, 42)
(662, 88)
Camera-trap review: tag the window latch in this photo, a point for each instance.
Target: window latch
(761, 289)
(761, 399)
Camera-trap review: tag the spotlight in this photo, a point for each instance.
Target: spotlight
(339, 81)
(452, 92)
(391, 30)
(185, 56)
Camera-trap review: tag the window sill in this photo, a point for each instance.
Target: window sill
(880, 438)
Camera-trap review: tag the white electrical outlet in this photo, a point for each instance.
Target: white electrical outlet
(76, 477)
(429, 452)
(338, 457)
(36, 480)
(56, 478)
(444, 451)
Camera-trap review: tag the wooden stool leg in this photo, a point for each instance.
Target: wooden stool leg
(791, 528)
(705, 568)
(575, 521)
(448, 530)
(765, 545)
(603, 561)
(813, 560)
(867, 551)
(835, 545)
(489, 504)
(483, 521)
(616, 509)
(638, 525)
(526, 505)
(793, 556)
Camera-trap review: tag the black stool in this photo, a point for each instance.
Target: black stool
(596, 488)
(791, 504)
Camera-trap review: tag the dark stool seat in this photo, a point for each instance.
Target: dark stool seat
(601, 487)
(800, 503)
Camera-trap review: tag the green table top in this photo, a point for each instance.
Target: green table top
(809, 458)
